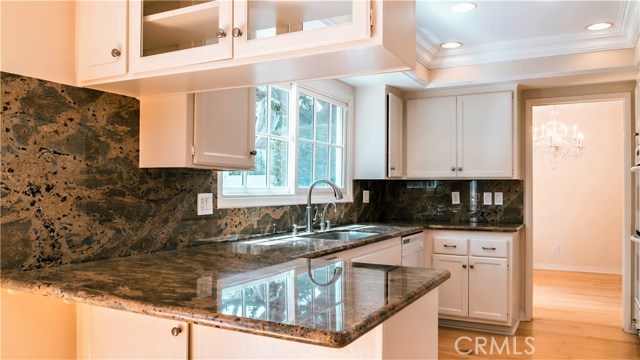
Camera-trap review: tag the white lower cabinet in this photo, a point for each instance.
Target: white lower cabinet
(387, 252)
(484, 283)
(488, 288)
(453, 293)
(114, 334)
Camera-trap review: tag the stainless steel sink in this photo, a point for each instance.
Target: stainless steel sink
(341, 235)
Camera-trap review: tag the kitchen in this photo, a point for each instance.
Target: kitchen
(91, 201)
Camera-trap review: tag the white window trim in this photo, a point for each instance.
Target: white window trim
(332, 89)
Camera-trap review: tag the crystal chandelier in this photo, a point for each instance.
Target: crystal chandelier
(552, 141)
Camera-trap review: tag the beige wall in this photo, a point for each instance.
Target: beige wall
(579, 205)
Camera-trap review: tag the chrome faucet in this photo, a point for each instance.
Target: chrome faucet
(336, 193)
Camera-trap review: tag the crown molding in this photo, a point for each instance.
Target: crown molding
(426, 50)
(623, 35)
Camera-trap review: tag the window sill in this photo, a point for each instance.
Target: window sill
(243, 201)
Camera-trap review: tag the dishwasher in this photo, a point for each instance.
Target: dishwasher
(413, 250)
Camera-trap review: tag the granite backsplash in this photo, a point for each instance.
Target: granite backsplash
(71, 190)
(430, 201)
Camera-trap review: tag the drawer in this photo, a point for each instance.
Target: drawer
(498, 248)
(449, 245)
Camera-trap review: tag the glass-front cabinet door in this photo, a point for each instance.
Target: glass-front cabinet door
(166, 33)
(275, 26)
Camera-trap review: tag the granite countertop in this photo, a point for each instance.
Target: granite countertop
(474, 227)
(208, 284)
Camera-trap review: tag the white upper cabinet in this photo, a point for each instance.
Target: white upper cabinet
(431, 137)
(101, 53)
(379, 134)
(192, 46)
(466, 136)
(176, 33)
(395, 146)
(267, 27)
(214, 130)
(224, 128)
(485, 135)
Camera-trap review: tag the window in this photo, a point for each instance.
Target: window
(301, 136)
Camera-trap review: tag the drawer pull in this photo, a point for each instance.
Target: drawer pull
(451, 246)
(488, 248)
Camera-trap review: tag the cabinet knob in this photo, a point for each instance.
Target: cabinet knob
(221, 33)
(453, 168)
(236, 32)
(471, 266)
(175, 331)
(115, 53)
(253, 152)
(460, 169)
(393, 168)
(464, 266)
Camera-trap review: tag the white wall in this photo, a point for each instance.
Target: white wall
(579, 205)
(38, 39)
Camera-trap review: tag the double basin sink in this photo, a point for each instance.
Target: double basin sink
(324, 237)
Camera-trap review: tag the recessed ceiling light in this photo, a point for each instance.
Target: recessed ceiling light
(451, 45)
(599, 26)
(463, 7)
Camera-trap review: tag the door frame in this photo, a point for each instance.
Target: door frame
(628, 148)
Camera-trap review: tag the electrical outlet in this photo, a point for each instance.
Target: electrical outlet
(365, 196)
(204, 287)
(455, 198)
(205, 204)
(488, 200)
(499, 200)
(556, 249)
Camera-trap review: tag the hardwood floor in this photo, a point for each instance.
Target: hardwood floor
(575, 316)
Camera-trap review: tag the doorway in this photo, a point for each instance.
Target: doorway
(577, 255)
(578, 193)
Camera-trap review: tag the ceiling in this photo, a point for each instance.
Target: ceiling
(515, 35)
(509, 30)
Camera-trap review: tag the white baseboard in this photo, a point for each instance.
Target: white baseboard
(578, 268)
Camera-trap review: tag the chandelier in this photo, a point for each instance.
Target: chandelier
(552, 141)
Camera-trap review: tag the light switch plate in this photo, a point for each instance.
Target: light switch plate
(498, 198)
(205, 204)
(455, 197)
(488, 199)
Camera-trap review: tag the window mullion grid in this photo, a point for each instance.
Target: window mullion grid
(294, 134)
(267, 160)
(314, 141)
(329, 162)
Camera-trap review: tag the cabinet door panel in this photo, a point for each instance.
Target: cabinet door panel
(102, 28)
(224, 128)
(270, 27)
(485, 135)
(115, 334)
(389, 256)
(488, 288)
(167, 34)
(396, 136)
(453, 295)
(431, 137)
